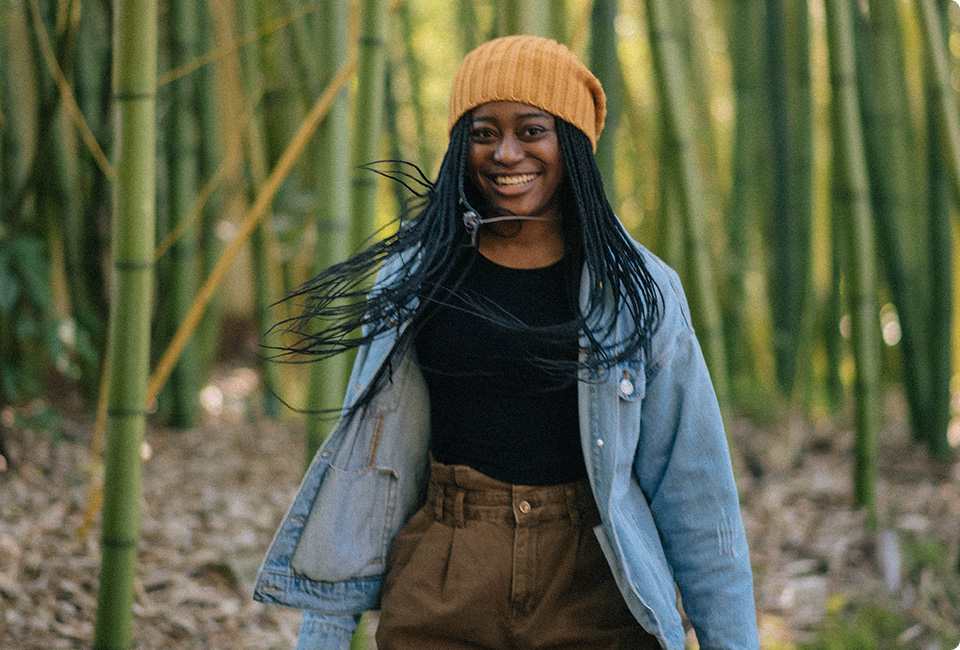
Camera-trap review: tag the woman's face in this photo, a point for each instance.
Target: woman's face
(514, 158)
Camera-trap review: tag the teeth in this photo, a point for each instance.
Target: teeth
(514, 180)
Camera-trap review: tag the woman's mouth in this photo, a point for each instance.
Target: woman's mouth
(513, 179)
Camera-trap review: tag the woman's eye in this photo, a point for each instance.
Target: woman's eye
(533, 131)
(481, 134)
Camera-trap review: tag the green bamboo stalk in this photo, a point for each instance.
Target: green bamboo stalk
(606, 66)
(692, 25)
(83, 243)
(800, 94)
(672, 85)
(184, 170)
(211, 151)
(747, 347)
(263, 270)
(134, 91)
(304, 50)
(852, 190)
(413, 70)
(369, 117)
(282, 113)
(937, 55)
(834, 311)
(467, 26)
(899, 222)
(328, 377)
(787, 269)
(279, 103)
(392, 125)
(557, 20)
(940, 308)
(523, 17)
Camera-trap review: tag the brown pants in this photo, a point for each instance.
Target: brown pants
(486, 564)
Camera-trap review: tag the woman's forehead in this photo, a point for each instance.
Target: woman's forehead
(503, 109)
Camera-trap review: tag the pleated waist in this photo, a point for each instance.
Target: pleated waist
(457, 494)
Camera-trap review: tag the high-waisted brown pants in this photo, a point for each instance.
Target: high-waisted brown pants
(486, 564)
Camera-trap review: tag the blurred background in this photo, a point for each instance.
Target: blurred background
(797, 162)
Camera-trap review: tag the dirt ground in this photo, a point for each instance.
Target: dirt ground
(213, 496)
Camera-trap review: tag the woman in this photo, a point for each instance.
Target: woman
(530, 452)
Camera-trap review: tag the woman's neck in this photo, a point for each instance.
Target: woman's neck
(522, 244)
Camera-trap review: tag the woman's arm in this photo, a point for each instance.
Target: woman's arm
(686, 474)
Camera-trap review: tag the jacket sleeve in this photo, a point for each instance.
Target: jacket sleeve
(324, 632)
(690, 485)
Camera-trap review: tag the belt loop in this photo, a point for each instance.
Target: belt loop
(573, 507)
(438, 498)
(458, 508)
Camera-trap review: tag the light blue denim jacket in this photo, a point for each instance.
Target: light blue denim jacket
(657, 462)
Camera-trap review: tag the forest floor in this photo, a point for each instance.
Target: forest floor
(212, 497)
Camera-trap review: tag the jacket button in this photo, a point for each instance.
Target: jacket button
(599, 442)
(626, 387)
(524, 507)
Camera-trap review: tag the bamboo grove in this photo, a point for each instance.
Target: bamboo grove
(797, 161)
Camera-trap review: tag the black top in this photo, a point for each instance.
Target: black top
(495, 405)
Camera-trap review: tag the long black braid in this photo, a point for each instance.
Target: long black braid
(340, 313)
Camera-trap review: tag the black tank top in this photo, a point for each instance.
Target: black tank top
(494, 404)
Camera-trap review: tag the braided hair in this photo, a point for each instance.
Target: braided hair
(340, 312)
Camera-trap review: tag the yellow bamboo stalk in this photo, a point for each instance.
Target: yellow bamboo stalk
(226, 49)
(69, 101)
(250, 222)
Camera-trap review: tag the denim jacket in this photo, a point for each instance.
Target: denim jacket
(657, 462)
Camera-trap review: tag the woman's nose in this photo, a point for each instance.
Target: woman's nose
(509, 150)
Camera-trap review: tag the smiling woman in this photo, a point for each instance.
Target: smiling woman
(530, 453)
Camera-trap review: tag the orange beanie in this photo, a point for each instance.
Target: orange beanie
(532, 70)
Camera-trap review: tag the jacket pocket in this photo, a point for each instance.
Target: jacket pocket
(348, 530)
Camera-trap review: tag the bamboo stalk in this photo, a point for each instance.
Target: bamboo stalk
(672, 85)
(852, 190)
(328, 377)
(940, 308)
(265, 289)
(304, 55)
(557, 20)
(413, 69)
(523, 17)
(369, 117)
(134, 90)
(936, 50)
(183, 160)
(748, 337)
(801, 176)
(606, 66)
(787, 267)
(899, 222)
(467, 26)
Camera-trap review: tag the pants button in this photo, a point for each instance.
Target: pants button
(524, 507)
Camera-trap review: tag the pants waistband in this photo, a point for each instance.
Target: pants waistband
(457, 494)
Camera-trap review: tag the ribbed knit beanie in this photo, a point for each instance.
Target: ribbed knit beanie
(532, 70)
